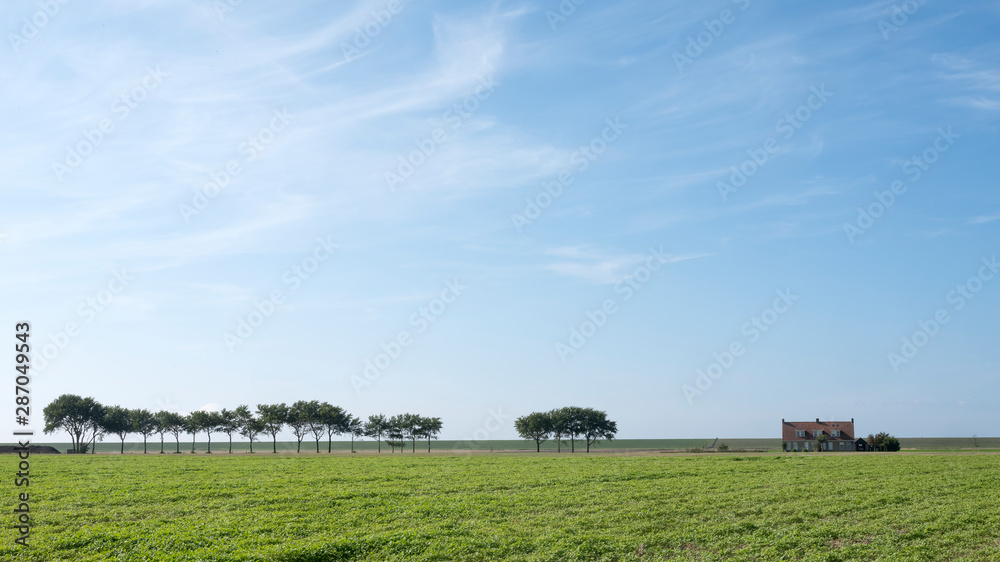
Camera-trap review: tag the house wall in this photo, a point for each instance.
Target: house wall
(835, 445)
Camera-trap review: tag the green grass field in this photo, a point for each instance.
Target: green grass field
(517, 507)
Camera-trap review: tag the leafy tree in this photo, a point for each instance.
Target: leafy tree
(882, 441)
(377, 427)
(560, 426)
(536, 426)
(144, 423)
(249, 425)
(161, 428)
(191, 427)
(312, 411)
(76, 416)
(173, 423)
(206, 421)
(274, 418)
(356, 428)
(334, 421)
(300, 421)
(594, 425)
(575, 416)
(821, 441)
(409, 428)
(118, 421)
(96, 429)
(228, 424)
(394, 433)
(429, 428)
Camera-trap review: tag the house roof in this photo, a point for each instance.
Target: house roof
(788, 429)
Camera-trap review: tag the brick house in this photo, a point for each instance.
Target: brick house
(801, 436)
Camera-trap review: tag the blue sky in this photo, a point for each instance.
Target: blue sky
(280, 194)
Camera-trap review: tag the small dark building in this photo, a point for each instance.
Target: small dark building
(860, 445)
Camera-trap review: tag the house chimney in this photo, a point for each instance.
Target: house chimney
(852, 420)
(817, 420)
(782, 420)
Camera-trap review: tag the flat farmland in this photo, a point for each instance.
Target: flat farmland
(510, 507)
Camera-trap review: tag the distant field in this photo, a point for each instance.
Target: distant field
(918, 443)
(308, 508)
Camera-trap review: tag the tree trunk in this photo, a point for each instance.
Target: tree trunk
(428, 444)
(414, 444)
(161, 444)
(177, 438)
(274, 443)
(329, 443)
(572, 443)
(123, 446)
(144, 444)
(230, 443)
(317, 446)
(538, 446)
(379, 439)
(352, 442)
(193, 437)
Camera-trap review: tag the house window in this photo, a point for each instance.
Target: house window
(841, 445)
(817, 432)
(800, 433)
(835, 433)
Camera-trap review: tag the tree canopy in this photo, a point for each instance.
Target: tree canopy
(593, 425)
(76, 416)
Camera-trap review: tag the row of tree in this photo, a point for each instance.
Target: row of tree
(87, 420)
(572, 422)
